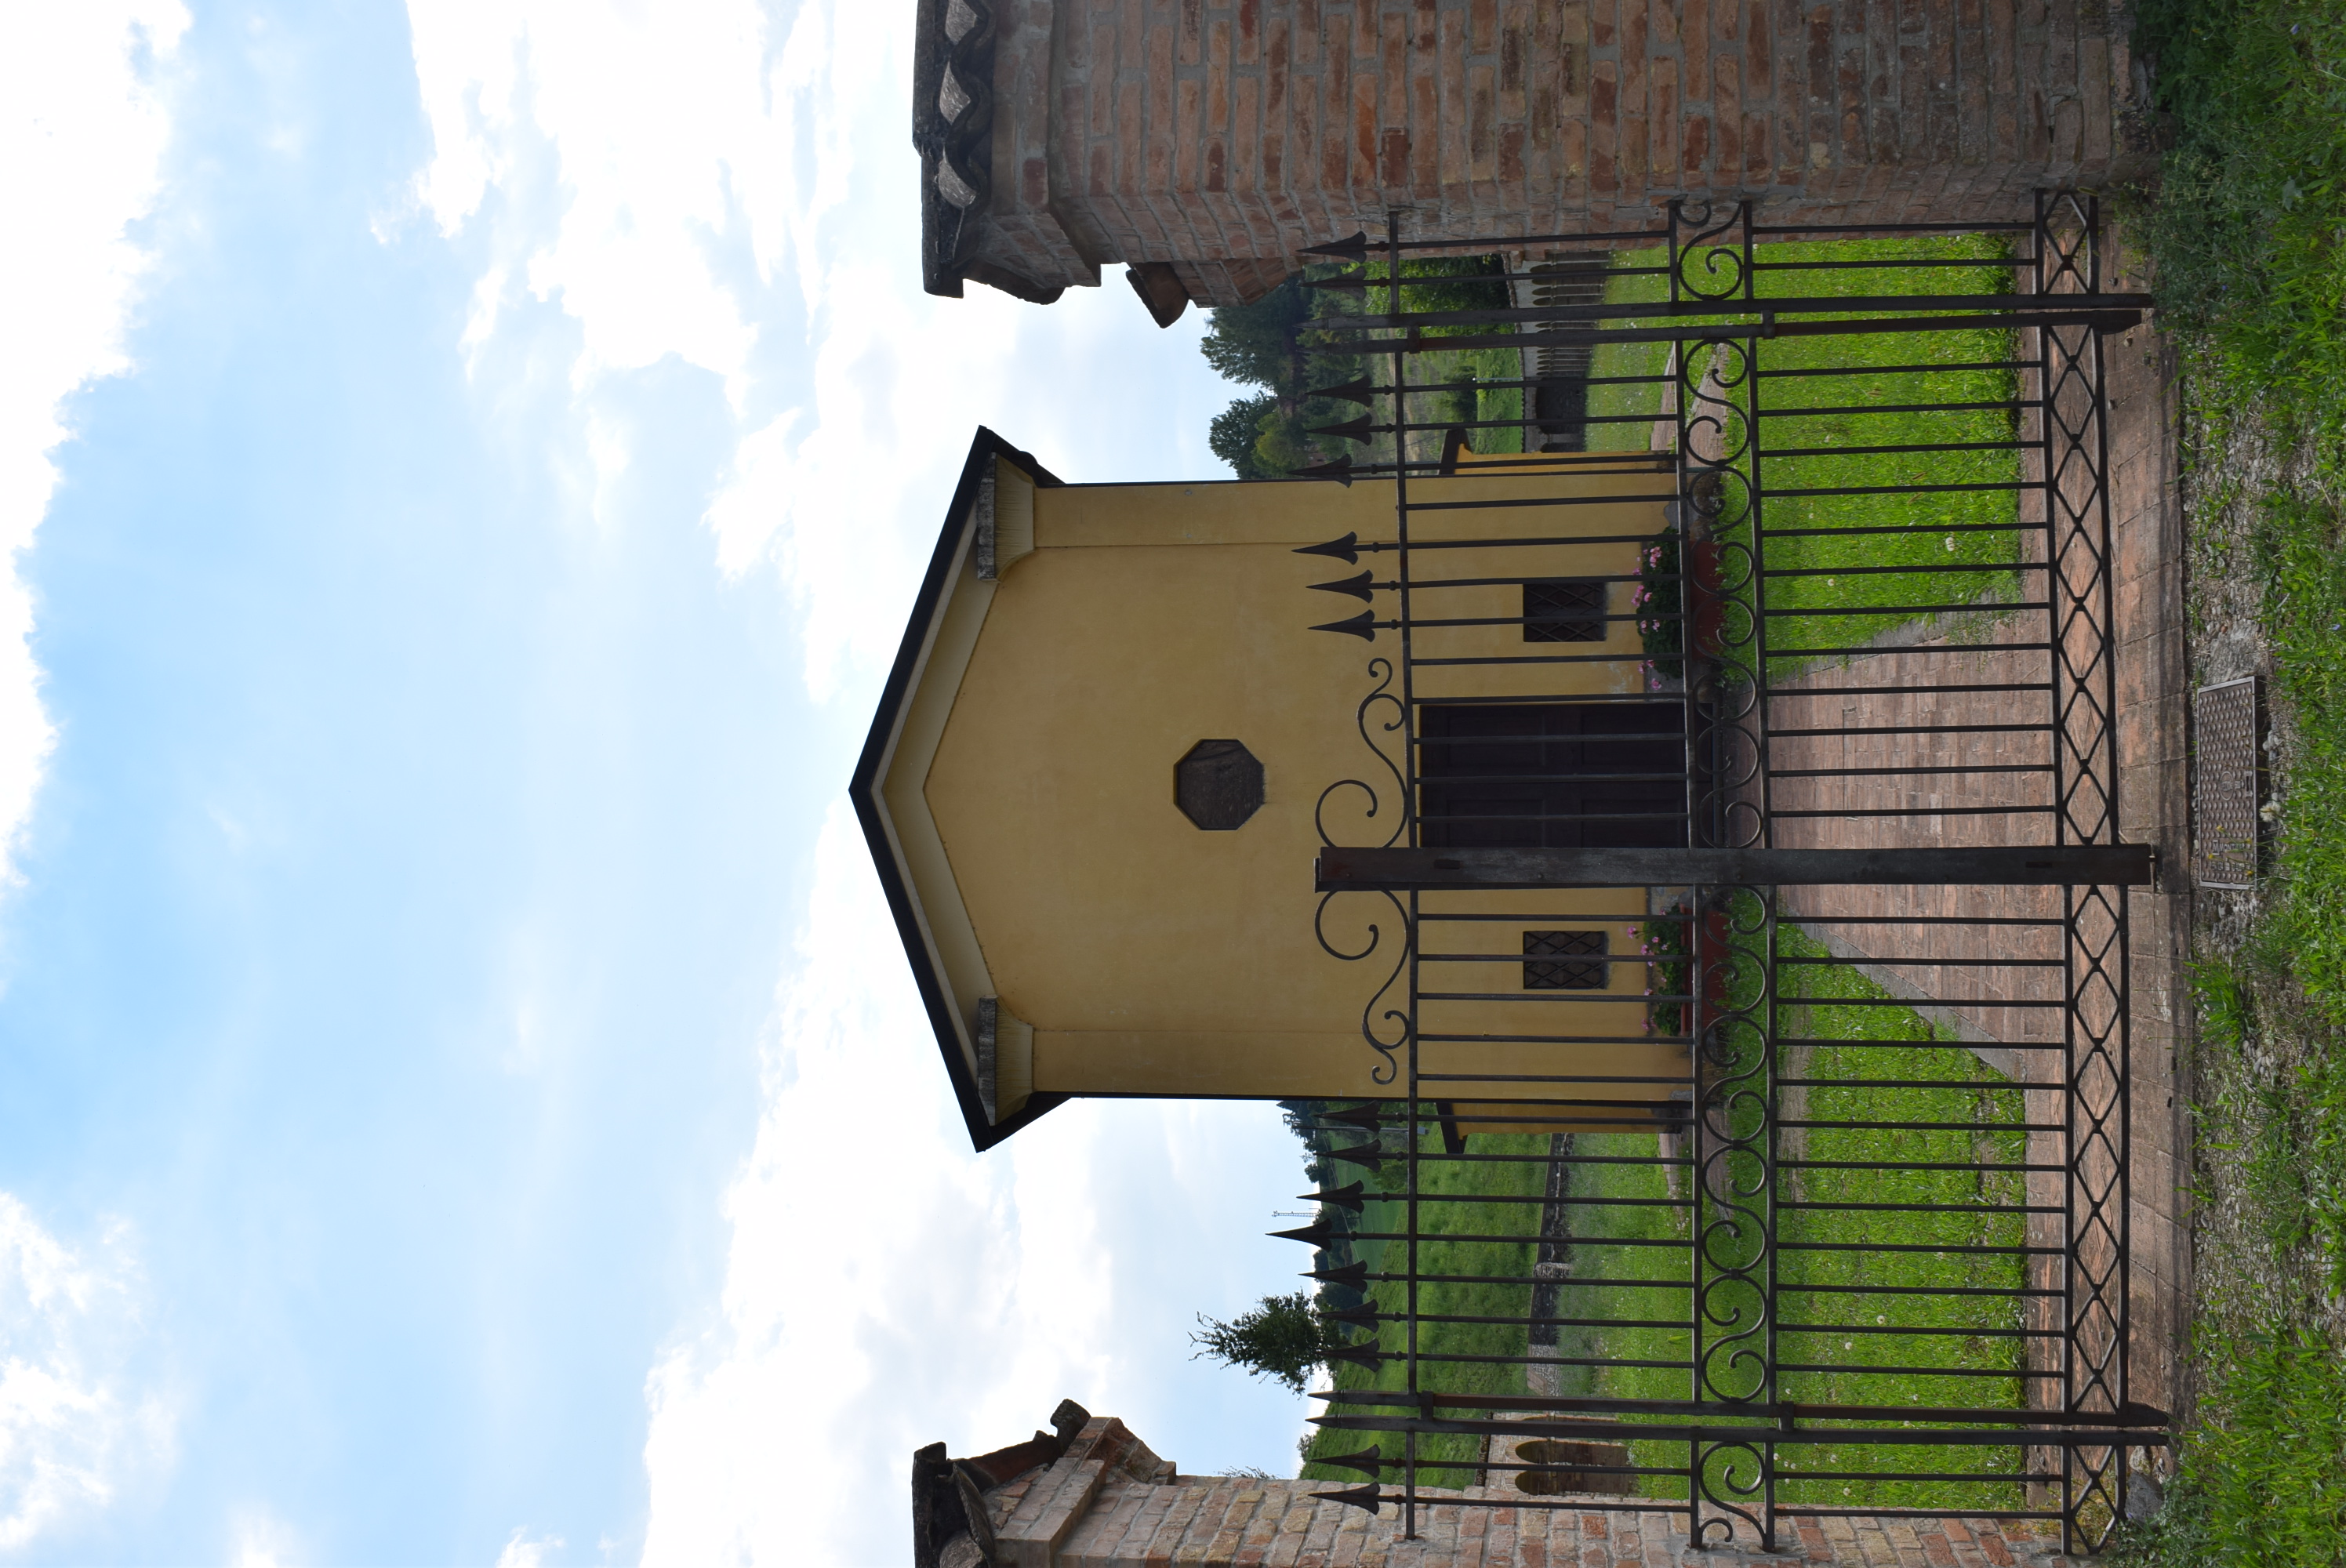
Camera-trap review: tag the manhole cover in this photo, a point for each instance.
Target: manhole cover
(2224, 784)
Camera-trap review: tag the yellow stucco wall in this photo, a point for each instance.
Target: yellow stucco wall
(1153, 958)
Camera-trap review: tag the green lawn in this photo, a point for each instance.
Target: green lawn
(2264, 1479)
(1971, 1337)
(1457, 1250)
(1928, 551)
(1468, 373)
(1956, 1333)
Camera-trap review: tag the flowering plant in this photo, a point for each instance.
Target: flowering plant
(1659, 602)
(1666, 943)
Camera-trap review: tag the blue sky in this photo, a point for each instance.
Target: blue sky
(466, 467)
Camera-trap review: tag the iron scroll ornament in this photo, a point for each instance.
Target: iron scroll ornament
(1725, 269)
(1732, 1475)
(1381, 697)
(1381, 670)
(1732, 1115)
(1721, 589)
(1732, 1189)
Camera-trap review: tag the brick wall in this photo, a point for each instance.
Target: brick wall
(1105, 1502)
(1221, 137)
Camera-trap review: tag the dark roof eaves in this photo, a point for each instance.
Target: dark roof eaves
(863, 792)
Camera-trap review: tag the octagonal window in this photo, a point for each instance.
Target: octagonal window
(1218, 784)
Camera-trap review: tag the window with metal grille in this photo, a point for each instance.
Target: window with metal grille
(1564, 961)
(1564, 610)
(1552, 775)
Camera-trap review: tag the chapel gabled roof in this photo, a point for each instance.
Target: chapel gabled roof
(871, 808)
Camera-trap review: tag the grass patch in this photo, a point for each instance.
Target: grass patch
(1958, 545)
(2265, 1465)
(2246, 233)
(2245, 229)
(1972, 1341)
(1504, 403)
(2264, 1455)
(2270, 1122)
(2297, 544)
(1457, 1245)
(1471, 375)
(2277, 1132)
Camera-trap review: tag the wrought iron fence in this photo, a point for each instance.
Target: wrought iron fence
(1747, 902)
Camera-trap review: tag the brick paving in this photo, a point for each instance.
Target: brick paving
(1988, 1002)
(1108, 1503)
(1089, 1519)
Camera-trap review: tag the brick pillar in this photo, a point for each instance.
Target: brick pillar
(1219, 138)
(1093, 1496)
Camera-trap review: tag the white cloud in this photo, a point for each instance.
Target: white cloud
(523, 1552)
(71, 1432)
(658, 118)
(886, 1287)
(259, 1539)
(874, 433)
(873, 1260)
(684, 181)
(689, 180)
(82, 126)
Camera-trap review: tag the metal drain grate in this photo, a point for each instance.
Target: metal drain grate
(2224, 784)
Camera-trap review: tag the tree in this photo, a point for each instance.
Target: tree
(1302, 1119)
(1455, 283)
(1273, 344)
(1285, 445)
(1256, 343)
(1235, 431)
(1282, 1338)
